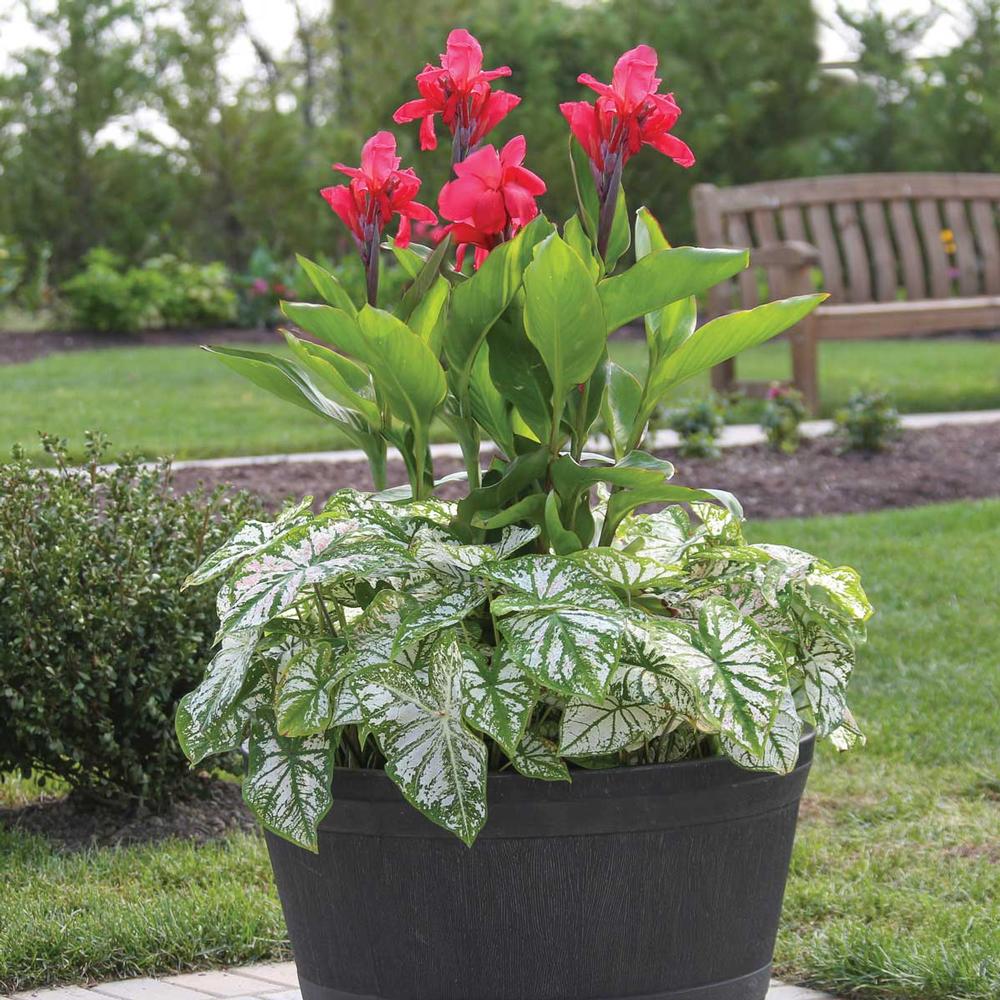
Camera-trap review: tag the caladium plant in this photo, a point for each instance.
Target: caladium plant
(543, 622)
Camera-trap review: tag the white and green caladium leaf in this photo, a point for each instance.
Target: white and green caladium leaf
(431, 617)
(625, 570)
(787, 566)
(212, 718)
(842, 585)
(370, 638)
(270, 582)
(562, 626)
(847, 735)
(287, 784)
(743, 678)
(448, 557)
(675, 744)
(722, 525)
(539, 758)
(533, 582)
(573, 650)
(826, 664)
(515, 537)
(623, 503)
(303, 693)
(656, 667)
(498, 698)
(253, 537)
(372, 634)
(663, 536)
(563, 317)
(439, 765)
(780, 750)
(594, 728)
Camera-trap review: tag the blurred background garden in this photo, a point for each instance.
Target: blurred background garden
(160, 162)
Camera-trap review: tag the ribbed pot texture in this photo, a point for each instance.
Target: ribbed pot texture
(661, 882)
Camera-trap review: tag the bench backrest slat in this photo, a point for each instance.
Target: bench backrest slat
(881, 237)
(859, 279)
(984, 223)
(883, 254)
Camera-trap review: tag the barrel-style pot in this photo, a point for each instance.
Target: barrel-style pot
(660, 882)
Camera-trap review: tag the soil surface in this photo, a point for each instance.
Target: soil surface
(16, 348)
(957, 462)
(73, 825)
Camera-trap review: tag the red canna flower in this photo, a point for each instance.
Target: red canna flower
(459, 90)
(378, 190)
(627, 114)
(492, 197)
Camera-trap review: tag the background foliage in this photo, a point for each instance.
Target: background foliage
(122, 128)
(99, 641)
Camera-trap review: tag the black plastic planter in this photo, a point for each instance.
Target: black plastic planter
(649, 883)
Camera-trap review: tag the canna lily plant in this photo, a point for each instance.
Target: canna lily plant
(544, 622)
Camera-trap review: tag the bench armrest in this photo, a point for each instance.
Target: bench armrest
(790, 254)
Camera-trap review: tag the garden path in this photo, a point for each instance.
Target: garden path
(734, 435)
(273, 981)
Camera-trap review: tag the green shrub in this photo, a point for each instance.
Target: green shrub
(868, 422)
(191, 294)
(165, 291)
(699, 424)
(11, 267)
(783, 413)
(97, 640)
(101, 297)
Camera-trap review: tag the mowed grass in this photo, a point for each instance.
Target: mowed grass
(895, 885)
(179, 401)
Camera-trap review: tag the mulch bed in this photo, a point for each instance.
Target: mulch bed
(16, 348)
(72, 825)
(924, 466)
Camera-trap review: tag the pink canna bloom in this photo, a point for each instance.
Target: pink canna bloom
(627, 114)
(459, 90)
(491, 198)
(378, 190)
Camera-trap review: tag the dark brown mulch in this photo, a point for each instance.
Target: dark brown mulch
(74, 825)
(924, 466)
(19, 347)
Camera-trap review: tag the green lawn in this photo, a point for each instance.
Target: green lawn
(171, 400)
(895, 887)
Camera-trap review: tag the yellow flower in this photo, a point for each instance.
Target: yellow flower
(947, 236)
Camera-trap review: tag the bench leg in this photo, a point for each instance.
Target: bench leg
(724, 377)
(805, 363)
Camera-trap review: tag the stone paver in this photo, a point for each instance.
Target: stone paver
(267, 981)
(282, 974)
(148, 989)
(225, 984)
(783, 992)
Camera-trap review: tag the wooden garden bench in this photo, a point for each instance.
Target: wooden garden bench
(900, 254)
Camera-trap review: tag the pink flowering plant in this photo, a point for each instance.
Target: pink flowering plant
(543, 622)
